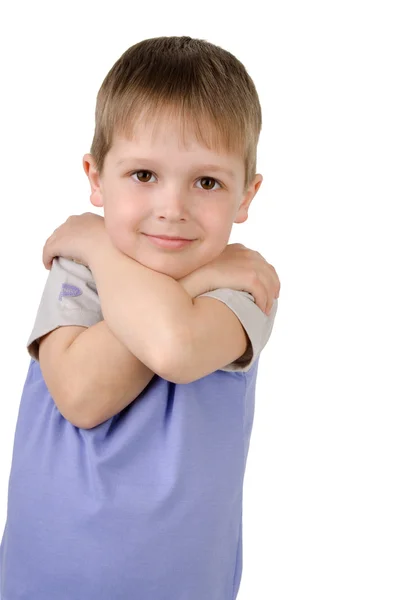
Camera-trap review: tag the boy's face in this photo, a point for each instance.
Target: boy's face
(172, 192)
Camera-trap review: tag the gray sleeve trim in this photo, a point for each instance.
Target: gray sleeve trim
(258, 326)
(70, 297)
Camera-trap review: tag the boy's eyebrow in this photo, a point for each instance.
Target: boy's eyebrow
(204, 167)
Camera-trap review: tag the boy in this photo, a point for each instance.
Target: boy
(136, 414)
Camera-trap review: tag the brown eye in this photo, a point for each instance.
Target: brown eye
(207, 183)
(143, 176)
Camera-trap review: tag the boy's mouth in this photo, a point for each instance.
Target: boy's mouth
(169, 237)
(168, 242)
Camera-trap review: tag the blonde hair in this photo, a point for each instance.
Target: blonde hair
(205, 86)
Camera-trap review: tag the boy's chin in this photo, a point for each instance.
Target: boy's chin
(174, 264)
(171, 264)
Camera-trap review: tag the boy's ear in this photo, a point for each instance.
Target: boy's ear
(242, 212)
(94, 179)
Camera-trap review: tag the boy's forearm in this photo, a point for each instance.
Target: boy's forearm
(106, 376)
(146, 310)
(110, 378)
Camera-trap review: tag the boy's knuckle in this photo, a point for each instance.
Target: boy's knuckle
(253, 276)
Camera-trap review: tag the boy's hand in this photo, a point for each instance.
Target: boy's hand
(240, 268)
(76, 239)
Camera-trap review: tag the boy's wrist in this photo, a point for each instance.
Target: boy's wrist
(99, 246)
(197, 282)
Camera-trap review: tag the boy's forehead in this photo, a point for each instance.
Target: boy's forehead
(165, 133)
(140, 144)
(169, 126)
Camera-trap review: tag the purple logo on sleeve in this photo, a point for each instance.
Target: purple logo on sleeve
(69, 290)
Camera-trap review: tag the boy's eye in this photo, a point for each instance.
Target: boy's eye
(145, 175)
(209, 179)
(208, 185)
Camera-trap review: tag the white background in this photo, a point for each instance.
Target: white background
(320, 496)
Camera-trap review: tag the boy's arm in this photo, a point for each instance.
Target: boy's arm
(159, 322)
(149, 312)
(185, 339)
(90, 374)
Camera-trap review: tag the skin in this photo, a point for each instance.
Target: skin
(170, 195)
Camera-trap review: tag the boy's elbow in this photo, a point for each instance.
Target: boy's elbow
(71, 400)
(170, 363)
(72, 411)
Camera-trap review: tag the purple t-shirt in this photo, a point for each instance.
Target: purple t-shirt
(145, 506)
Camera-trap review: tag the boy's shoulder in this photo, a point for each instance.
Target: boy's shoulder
(70, 297)
(257, 325)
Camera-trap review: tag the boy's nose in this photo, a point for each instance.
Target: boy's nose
(171, 204)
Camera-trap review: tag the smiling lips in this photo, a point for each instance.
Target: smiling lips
(168, 237)
(169, 242)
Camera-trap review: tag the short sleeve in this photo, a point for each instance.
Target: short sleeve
(258, 326)
(70, 297)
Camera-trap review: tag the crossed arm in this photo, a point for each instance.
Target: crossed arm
(93, 373)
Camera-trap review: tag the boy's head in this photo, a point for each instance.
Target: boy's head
(174, 150)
